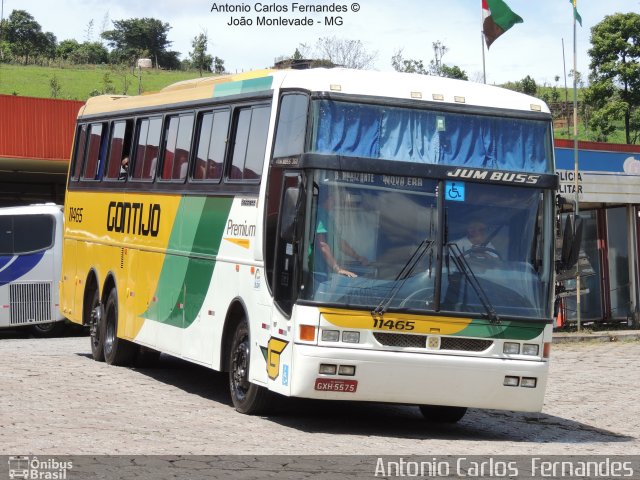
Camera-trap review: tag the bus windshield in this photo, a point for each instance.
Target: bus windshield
(372, 242)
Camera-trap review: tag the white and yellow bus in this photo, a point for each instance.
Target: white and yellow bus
(309, 233)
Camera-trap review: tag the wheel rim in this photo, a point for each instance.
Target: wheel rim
(94, 326)
(240, 369)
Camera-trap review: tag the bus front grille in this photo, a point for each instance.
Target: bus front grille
(29, 303)
(420, 341)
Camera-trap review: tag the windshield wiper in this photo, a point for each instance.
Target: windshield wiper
(402, 276)
(463, 266)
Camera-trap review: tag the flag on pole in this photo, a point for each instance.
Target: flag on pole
(497, 19)
(576, 15)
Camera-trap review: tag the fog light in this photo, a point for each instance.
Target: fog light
(511, 381)
(330, 335)
(511, 348)
(529, 382)
(530, 349)
(328, 369)
(347, 370)
(351, 337)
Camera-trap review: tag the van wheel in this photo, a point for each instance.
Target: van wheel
(94, 314)
(117, 351)
(441, 414)
(247, 397)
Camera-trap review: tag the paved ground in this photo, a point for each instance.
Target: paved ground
(56, 400)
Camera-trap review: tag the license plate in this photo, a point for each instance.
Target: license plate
(336, 385)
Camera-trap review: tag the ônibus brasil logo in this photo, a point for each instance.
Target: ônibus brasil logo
(38, 469)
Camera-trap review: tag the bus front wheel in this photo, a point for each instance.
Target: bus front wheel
(442, 414)
(95, 315)
(117, 351)
(247, 397)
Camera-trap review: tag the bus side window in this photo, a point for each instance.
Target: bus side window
(81, 143)
(147, 148)
(178, 131)
(292, 125)
(6, 235)
(212, 142)
(250, 142)
(119, 150)
(96, 152)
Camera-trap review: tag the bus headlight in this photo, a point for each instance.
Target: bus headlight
(351, 337)
(530, 349)
(511, 348)
(330, 335)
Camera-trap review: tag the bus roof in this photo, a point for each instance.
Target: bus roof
(34, 209)
(339, 80)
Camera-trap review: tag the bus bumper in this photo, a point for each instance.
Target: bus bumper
(421, 379)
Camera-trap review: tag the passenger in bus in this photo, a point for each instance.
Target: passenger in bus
(124, 168)
(327, 240)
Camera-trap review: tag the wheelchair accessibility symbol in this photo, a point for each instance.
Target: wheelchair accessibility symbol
(454, 191)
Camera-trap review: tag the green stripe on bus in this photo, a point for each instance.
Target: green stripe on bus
(511, 330)
(184, 280)
(242, 86)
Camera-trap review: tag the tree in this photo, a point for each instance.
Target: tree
(529, 86)
(218, 65)
(25, 36)
(400, 64)
(66, 48)
(614, 93)
(139, 37)
(436, 66)
(199, 57)
(344, 53)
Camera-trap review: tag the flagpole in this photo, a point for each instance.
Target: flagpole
(484, 68)
(575, 159)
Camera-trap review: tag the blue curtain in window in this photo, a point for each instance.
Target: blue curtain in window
(431, 137)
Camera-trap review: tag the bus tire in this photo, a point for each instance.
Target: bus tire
(442, 414)
(46, 330)
(94, 314)
(117, 351)
(247, 397)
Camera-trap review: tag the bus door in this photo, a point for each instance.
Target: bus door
(285, 280)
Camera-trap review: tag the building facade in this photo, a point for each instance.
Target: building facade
(609, 202)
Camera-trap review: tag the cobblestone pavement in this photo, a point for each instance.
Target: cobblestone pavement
(56, 400)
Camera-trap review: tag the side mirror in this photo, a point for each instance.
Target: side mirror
(289, 214)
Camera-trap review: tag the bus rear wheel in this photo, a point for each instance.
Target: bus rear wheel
(442, 414)
(117, 351)
(247, 397)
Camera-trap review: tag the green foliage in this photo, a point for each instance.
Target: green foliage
(436, 66)
(140, 37)
(453, 72)
(80, 82)
(199, 57)
(527, 85)
(55, 87)
(614, 93)
(26, 38)
(409, 65)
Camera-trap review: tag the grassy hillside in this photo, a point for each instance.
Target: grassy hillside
(80, 82)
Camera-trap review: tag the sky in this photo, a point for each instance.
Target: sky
(534, 47)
